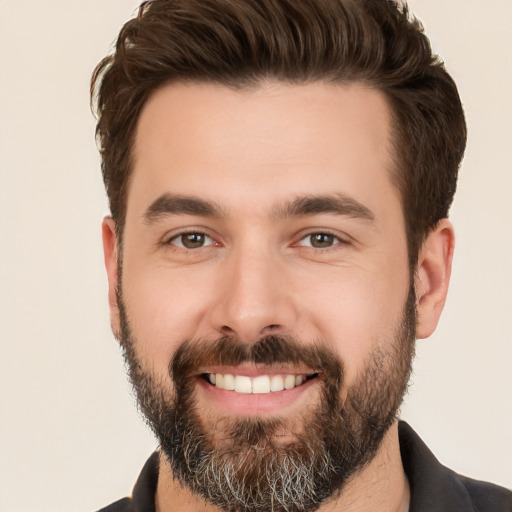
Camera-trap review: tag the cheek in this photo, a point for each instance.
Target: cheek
(355, 310)
(163, 310)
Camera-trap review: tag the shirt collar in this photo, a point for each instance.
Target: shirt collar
(433, 486)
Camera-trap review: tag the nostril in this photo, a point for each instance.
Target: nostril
(247, 333)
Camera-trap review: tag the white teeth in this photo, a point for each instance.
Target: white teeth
(276, 383)
(229, 382)
(243, 384)
(289, 382)
(262, 384)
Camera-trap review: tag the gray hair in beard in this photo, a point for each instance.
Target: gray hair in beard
(250, 470)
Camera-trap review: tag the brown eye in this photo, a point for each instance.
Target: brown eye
(322, 240)
(191, 240)
(319, 240)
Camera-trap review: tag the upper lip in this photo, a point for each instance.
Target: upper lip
(251, 370)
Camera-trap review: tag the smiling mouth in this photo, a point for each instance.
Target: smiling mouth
(261, 384)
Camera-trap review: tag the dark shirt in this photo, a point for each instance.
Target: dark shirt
(434, 488)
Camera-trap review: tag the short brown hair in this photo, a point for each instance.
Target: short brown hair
(242, 42)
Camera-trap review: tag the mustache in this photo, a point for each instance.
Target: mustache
(194, 355)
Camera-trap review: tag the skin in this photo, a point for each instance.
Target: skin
(251, 152)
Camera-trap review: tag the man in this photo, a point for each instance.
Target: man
(279, 176)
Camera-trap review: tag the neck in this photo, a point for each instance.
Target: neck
(381, 486)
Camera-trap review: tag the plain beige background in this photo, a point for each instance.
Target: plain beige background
(70, 437)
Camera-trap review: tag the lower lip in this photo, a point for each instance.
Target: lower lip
(240, 404)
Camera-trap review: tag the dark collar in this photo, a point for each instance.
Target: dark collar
(433, 486)
(144, 492)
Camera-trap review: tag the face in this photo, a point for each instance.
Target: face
(265, 284)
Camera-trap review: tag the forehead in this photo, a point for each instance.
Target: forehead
(257, 146)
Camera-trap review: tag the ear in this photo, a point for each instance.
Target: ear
(110, 248)
(433, 276)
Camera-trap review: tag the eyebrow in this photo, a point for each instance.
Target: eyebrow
(339, 204)
(170, 204)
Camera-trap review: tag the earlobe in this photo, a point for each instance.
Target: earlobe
(433, 277)
(110, 248)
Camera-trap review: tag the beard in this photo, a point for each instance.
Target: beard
(241, 464)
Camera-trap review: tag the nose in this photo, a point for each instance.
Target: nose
(254, 298)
